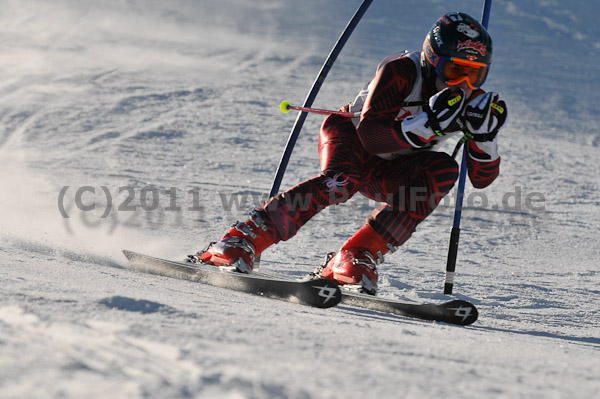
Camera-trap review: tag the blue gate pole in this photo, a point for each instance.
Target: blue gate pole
(455, 233)
(312, 94)
(337, 48)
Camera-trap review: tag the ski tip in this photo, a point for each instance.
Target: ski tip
(128, 254)
(461, 312)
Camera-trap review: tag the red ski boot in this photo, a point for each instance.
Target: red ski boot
(239, 247)
(355, 265)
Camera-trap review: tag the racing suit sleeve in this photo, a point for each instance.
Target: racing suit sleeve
(378, 130)
(483, 162)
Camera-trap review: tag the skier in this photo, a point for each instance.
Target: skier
(415, 101)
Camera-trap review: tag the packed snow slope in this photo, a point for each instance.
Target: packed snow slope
(153, 125)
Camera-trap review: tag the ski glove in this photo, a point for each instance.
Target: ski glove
(442, 115)
(484, 116)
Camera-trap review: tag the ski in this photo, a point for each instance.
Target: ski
(453, 312)
(457, 311)
(321, 293)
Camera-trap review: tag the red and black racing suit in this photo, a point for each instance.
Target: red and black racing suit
(409, 186)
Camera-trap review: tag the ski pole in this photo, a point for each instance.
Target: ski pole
(455, 232)
(286, 107)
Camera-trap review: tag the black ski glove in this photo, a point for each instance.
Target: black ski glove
(484, 116)
(442, 115)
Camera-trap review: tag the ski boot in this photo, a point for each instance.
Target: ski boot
(355, 265)
(239, 247)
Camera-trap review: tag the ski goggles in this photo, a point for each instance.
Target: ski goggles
(453, 71)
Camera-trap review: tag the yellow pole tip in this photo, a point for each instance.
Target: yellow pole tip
(285, 107)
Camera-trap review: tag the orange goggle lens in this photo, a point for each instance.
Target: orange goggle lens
(454, 71)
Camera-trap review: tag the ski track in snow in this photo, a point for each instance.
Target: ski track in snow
(178, 102)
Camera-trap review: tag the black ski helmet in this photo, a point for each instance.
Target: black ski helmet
(455, 35)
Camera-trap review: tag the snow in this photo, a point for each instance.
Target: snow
(168, 114)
